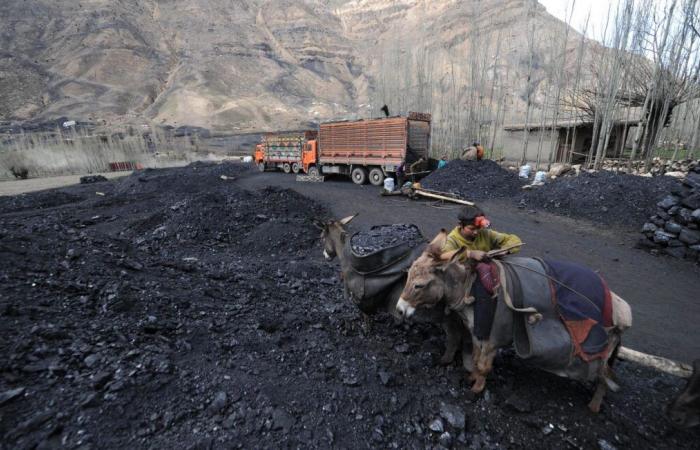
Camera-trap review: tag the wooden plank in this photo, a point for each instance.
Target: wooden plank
(442, 197)
(669, 366)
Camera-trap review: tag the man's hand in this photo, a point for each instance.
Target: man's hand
(476, 255)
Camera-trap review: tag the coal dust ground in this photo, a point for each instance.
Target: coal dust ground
(175, 308)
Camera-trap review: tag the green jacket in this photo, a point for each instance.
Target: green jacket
(485, 240)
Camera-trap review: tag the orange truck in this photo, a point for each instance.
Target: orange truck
(365, 150)
(283, 150)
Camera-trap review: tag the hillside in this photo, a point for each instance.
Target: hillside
(258, 64)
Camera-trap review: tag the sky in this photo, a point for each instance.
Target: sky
(598, 9)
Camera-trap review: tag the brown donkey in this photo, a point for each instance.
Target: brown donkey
(436, 277)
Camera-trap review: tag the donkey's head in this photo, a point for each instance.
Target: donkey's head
(433, 277)
(333, 235)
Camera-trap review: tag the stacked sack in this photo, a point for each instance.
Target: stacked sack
(675, 228)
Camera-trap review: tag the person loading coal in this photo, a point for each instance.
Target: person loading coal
(474, 234)
(474, 152)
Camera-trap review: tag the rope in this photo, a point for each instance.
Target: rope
(554, 280)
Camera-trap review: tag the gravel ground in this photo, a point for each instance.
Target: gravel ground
(180, 310)
(474, 180)
(605, 197)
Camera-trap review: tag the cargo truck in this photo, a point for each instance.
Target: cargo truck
(365, 150)
(283, 150)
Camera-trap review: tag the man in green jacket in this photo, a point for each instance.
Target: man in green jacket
(473, 232)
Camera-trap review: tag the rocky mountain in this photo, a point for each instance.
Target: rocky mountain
(246, 65)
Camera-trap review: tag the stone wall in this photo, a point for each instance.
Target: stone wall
(675, 228)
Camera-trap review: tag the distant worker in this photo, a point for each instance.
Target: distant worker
(443, 162)
(474, 152)
(417, 167)
(401, 173)
(385, 110)
(479, 151)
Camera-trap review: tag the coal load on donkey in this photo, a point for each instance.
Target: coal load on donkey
(381, 237)
(378, 260)
(619, 200)
(474, 180)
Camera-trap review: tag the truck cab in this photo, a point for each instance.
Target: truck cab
(309, 157)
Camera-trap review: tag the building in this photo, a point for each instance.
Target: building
(568, 137)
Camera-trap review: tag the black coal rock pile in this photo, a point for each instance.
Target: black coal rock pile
(384, 236)
(614, 199)
(179, 310)
(474, 180)
(675, 228)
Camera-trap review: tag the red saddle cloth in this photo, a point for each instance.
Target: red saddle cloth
(488, 275)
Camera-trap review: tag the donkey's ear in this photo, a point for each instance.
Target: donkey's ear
(319, 224)
(435, 246)
(455, 255)
(347, 220)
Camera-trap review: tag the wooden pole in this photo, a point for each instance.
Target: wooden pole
(656, 362)
(442, 197)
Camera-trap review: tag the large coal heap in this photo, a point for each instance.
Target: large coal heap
(610, 198)
(474, 180)
(179, 310)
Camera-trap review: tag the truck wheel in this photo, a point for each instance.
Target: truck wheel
(359, 175)
(376, 176)
(296, 168)
(261, 166)
(313, 171)
(287, 168)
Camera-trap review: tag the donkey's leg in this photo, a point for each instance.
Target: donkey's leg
(484, 353)
(366, 323)
(454, 333)
(598, 395)
(604, 372)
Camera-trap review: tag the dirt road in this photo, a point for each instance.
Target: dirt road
(15, 187)
(664, 293)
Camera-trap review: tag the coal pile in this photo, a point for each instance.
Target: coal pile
(474, 180)
(675, 228)
(180, 310)
(385, 236)
(619, 200)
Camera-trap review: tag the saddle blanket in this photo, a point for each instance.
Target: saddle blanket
(584, 304)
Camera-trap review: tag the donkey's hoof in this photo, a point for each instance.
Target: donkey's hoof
(594, 407)
(446, 359)
(479, 385)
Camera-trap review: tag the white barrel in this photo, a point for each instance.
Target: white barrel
(541, 176)
(389, 184)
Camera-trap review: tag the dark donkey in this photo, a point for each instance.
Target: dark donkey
(436, 277)
(380, 292)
